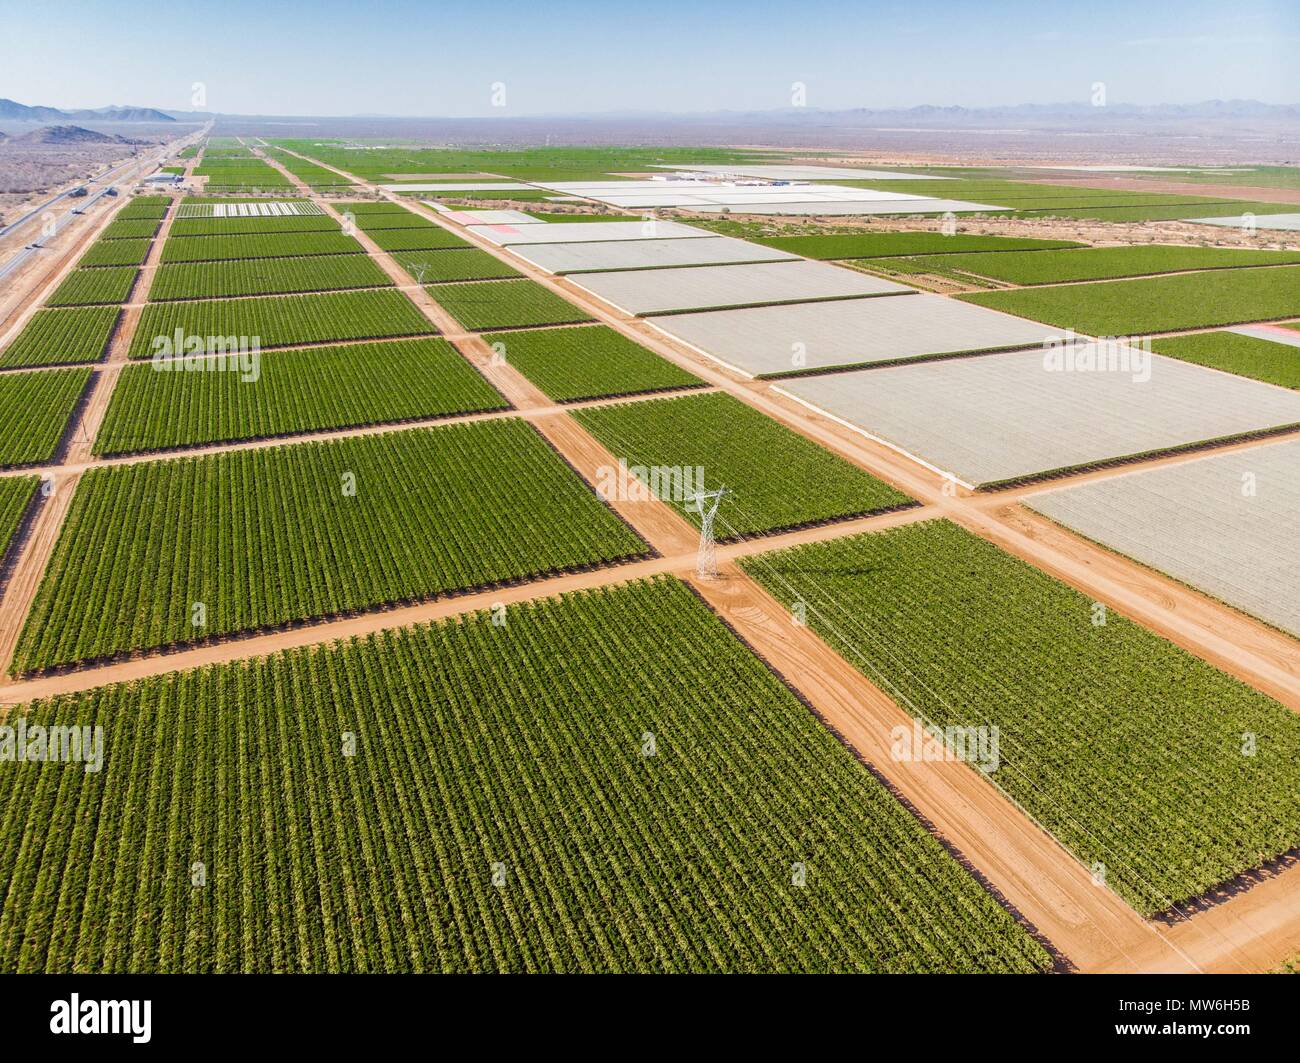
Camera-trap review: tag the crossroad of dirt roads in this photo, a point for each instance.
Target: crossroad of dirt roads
(1086, 924)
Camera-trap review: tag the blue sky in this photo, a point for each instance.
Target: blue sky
(560, 56)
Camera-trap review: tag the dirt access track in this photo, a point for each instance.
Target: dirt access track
(1090, 928)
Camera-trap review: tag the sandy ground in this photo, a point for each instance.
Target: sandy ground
(26, 287)
(1091, 927)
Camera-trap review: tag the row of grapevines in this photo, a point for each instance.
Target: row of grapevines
(310, 173)
(506, 304)
(566, 791)
(370, 206)
(430, 238)
(258, 245)
(206, 226)
(777, 478)
(371, 220)
(62, 337)
(115, 253)
(285, 321)
(171, 552)
(453, 264)
(16, 493)
(291, 391)
(590, 362)
(94, 287)
(1161, 773)
(34, 411)
(130, 229)
(265, 276)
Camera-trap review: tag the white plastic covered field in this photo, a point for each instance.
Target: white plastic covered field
(1000, 417)
(1227, 524)
(774, 340)
(661, 291)
(647, 254)
(587, 232)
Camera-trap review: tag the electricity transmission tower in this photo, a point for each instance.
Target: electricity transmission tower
(706, 503)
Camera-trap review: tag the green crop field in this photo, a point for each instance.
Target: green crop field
(591, 362)
(266, 276)
(285, 321)
(130, 229)
(370, 220)
(779, 479)
(884, 245)
(92, 287)
(432, 238)
(34, 411)
(1097, 263)
(137, 211)
(1192, 207)
(62, 337)
(369, 206)
(506, 304)
(566, 163)
(1273, 363)
(570, 216)
(270, 536)
(480, 197)
(1157, 304)
(309, 173)
(16, 493)
(115, 253)
(239, 174)
(257, 226)
(1108, 735)
(455, 264)
(290, 392)
(274, 245)
(490, 791)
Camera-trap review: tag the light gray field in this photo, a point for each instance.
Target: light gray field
(769, 341)
(659, 291)
(1272, 333)
(588, 232)
(1261, 221)
(648, 254)
(1197, 523)
(913, 206)
(998, 417)
(711, 194)
(460, 186)
(488, 217)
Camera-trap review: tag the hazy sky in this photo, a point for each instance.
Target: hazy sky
(429, 58)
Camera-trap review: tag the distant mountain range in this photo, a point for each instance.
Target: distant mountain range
(929, 115)
(18, 112)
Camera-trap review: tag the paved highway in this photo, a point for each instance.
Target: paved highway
(142, 165)
(35, 212)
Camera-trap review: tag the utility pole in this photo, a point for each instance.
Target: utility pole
(706, 503)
